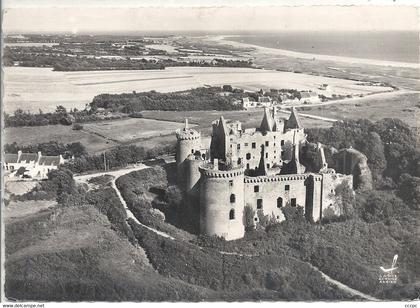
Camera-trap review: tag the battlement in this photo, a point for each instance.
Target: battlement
(209, 170)
(281, 178)
(187, 134)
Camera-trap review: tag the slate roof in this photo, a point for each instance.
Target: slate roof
(308, 94)
(294, 120)
(10, 158)
(28, 157)
(267, 122)
(49, 160)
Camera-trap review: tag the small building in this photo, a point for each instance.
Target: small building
(325, 87)
(265, 101)
(247, 103)
(37, 166)
(309, 97)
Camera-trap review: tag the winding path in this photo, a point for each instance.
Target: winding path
(118, 173)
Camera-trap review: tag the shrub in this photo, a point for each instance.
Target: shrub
(77, 126)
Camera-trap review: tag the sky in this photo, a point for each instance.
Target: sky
(79, 16)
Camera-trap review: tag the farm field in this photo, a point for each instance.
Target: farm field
(128, 130)
(203, 119)
(41, 88)
(405, 107)
(98, 136)
(38, 134)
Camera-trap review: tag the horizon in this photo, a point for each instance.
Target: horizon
(210, 19)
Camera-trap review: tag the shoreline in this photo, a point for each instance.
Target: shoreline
(310, 56)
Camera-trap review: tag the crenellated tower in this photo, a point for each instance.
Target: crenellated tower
(188, 142)
(222, 200)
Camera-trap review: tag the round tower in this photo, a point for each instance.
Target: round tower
(222, 201)
(192, 173)
(188, 142)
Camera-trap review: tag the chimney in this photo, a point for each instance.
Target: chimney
(186, 124)
(215, 164)
(39, 157)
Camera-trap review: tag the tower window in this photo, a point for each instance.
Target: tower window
(266, 155)
(279, 202)
(232, 214)
(282, 142)
(248, 155)
(268, 165)
(266, 143)
(239, 161)
(287, 187)
(293, 202)
(232, 198)
(254, 145)
(256, 188)
(231, 183)
(259, 204)
(247, 166)
(246, 144)
(192, 151)
(238, 146)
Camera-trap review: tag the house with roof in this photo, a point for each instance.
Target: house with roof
(309, 97)
(37, 165)
(247, 103)
(265, 101)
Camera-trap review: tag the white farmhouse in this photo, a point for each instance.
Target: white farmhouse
(37, 166)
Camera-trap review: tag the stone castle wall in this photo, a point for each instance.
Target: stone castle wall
(222, 202)
(353, 162)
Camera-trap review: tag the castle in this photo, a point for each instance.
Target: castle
(258, 168)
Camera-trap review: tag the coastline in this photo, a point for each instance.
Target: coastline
(295, 54)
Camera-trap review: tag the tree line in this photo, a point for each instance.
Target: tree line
(196, 99)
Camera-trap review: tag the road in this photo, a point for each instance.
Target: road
(117, 173)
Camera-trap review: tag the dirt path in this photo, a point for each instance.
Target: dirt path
(118, 173)
(310, 116)
(342, 286)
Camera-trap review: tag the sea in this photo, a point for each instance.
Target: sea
(399, 46)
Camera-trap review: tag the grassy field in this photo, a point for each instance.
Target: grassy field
(405, 107)
(35, 88)
(59, 133)
(128, 130)
(98, 136)
(203, 119)
(72, 254)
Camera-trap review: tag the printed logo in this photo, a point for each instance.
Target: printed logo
(387, 275)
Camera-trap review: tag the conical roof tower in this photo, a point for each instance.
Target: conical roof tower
(294, 120)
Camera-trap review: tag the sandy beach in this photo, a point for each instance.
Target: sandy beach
(282, 52)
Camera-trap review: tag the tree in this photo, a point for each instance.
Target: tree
(21, 171)
(409, 190)
(373, 148)
(60, 109)
(249, 215)
(77, 126)
(380, 205)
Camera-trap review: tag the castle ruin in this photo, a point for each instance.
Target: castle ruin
(259, 168)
